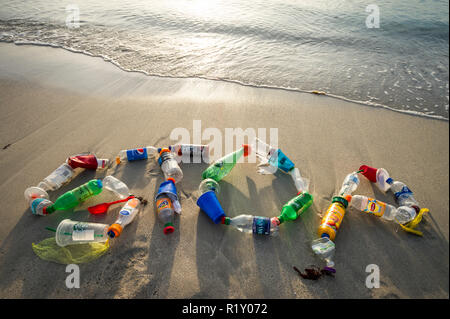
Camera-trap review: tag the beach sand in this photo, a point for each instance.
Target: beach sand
(55, 103)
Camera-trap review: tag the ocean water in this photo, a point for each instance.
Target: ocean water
(299, 45)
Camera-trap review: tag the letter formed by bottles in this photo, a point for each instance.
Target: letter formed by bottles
(273, 159)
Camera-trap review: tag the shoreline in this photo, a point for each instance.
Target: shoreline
(256, 86)
(55, 104)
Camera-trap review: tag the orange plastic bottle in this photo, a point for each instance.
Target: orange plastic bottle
(331, 221)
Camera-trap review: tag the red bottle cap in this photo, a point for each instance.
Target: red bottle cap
(83, 161)
(369, 172)
(246, 149)
(168, 230)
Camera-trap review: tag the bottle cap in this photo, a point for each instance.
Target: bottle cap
(168, 228)
(369, 172)
(340, 199)
(246, 149)
(114, 230)
(225, 220)
(99, 183)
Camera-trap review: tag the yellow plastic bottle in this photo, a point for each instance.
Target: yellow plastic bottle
(331, 221)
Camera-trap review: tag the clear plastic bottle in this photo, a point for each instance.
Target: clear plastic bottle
(57, 178)
(271, 158)
(375, 207)
(136, 154)
(324, 248)
(169, 165)
(350, 184)
(254, 224)
(116, 186)
(165, 212)
(126, 216)
(190, 153)
(403, 195)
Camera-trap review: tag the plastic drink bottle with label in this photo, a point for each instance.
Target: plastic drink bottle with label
(76, 196)
(169, 165)
(295, 207)
(271, 156)
(57, 178)
(254, 224)
(167, 203)
(324, 248)
(87, 161)
(350, 184)
(403, 195)
(378, 176)
(332, 219)
(401, 215)
(135, 154)
(126, 216)
(192, 153)
(223, 166)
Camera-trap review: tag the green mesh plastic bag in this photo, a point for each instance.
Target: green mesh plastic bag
(71, 254)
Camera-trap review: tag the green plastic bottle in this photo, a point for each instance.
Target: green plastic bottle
(295, 207)
(74, 197)
(220, 168)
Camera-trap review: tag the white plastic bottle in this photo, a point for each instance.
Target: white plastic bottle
(350, 184)
(383, 180)
(136, 154)
(375, 207)
(190, 153)
(126, 216)
(169, 165)
(254, 224)
(403, 195)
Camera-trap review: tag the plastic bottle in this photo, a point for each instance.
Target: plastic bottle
(57, 178)
(301, 183)
(223, 166)
(76, 196)
(403, 195)
(333, 217)
(295, 207)
(324, 248)
(378, 176)
(372, 206)
(169, 165)
(126, 216)
(135, 154)
(254, 224)
(191, 153)
(166, 204)
(350, 184)
(87, 161)
(268, 154)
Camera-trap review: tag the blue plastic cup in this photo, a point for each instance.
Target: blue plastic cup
(209, 203)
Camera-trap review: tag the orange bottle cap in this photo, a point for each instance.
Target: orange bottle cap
(246, 149)
(115, 230)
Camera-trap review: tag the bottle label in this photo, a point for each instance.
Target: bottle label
(163, 203)
(333, 217)
(129, 207)
(137, 154)
(405, 192)
(82, 193)
(164, 157)
(261, 225)
(281, 161)
(81, 232)
(375, 207)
